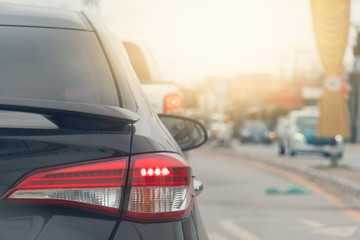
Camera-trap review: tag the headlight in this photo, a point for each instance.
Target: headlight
(299, 136)
(338, 138)
(272, 135)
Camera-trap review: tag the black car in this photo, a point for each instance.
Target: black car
(82, 154)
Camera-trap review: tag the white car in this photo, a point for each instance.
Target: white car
(165, 97)
(301, 136)
(221, 129)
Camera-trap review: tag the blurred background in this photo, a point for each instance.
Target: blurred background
(243, 59)
(245, 69)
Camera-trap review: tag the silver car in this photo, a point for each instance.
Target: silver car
(298, 134)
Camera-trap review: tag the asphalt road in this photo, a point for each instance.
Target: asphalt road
(350, 159)
(235, 204)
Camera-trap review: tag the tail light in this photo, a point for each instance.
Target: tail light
(173, 102)
(159, 187)
(97, 185)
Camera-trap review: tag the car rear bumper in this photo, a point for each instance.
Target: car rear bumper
(321, 149)
(257, 139)
(191, 228)
(57, 223)
(174, 230)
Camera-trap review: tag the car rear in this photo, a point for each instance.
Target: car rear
(304, 135)
(165, 97)
(256, 131)
(75, 163)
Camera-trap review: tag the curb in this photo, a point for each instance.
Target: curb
(291, 165)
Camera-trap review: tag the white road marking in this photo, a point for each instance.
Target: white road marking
(216, 236)
(237, 230)
(342, 232)
(311, 223)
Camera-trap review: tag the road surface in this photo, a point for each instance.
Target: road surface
(235, 205)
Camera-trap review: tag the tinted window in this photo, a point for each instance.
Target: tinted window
(54, 64)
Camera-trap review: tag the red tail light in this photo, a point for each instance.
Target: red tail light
(162, 196)
(160, 187)
(95, 185)
(173, 102)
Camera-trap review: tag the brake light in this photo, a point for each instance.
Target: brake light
(154, 172)
(160, 188)
(173, 102)
(96, 185)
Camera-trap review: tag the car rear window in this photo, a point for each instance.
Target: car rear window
(54, 64)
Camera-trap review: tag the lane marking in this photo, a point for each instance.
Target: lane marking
(342, 232)
(311, 223)
(216, 236)
(237, 230)
(347, 210)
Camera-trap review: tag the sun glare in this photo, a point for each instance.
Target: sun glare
(216, 37)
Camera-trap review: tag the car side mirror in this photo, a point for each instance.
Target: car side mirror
(187, 132)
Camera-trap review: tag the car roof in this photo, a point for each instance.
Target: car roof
(22, 15)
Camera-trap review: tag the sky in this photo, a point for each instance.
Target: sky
(195, 39)
(216, 37)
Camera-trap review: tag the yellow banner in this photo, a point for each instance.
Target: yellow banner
(331, 26)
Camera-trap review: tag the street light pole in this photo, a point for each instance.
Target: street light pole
(356, 86)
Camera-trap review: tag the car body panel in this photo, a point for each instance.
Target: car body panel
(311, 138)
(43, 226)
(24, 150)
(172, 230)
(191, 228)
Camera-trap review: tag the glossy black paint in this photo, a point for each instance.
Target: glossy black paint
(41, 222)
(24, 150)
(190, 228)
(57, 110)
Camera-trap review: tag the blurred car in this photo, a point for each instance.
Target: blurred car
(165, 97)
(221, 129)
(256, 131)
(301, 136)
(281, 134)
(83, 156)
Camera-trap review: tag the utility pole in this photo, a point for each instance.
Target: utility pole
(297, 80)
(355, 78)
